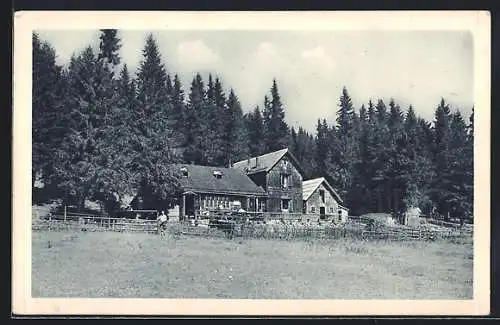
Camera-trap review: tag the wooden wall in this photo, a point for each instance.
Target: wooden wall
(213, 201)
(276, 192)
(331, 205)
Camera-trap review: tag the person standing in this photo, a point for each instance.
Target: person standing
(162, 221)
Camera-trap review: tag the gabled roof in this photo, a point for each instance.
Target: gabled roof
(232, 181)
(309, 186)
(264, 162)
(127, 199)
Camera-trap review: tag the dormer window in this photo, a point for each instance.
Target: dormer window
(184, 171)
(217, 174)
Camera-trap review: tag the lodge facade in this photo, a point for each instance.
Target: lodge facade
(268, 183)
(279, 174)
(206, 188)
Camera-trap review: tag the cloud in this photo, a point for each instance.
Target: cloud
(196, 54)
(265, 50)
(68, 43)
(311, 68)
(317, 55)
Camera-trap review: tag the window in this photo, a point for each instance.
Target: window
(285, 204)
(285, 163)
(313, 209)
(217, 174)
(332, 210)
(285, 181)
(322, 195)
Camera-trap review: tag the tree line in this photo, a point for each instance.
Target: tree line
(101, 132)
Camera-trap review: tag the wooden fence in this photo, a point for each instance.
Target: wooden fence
(87, 222)
(274, 227)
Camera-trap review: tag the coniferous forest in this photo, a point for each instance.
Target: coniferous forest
(101, 131)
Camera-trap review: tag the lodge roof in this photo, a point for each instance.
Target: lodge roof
(208, 179)
(309, 186)
(264, 162)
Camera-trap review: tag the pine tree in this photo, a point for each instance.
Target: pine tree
(152, 142)
(170, 86)
(212, 146)
(408, 175)
(217, 118)
(460, 198)
(152, 79)
(109, 47)
(276, 129)
(78, 169)
(322, 148)
(177, 116)
(345, 114)
(194, 126)
(255, 130)
(235, 134)
(303, 149)
(307, 152)
(124, 123)
(295, 145)
(87, 162)
(347, 136)
(397, 155)
(371, 112)
(362, 172)
(47, 93)
(442, 158)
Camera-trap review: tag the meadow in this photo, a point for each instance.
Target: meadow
(139, 265)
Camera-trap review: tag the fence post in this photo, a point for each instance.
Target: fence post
(64, 213)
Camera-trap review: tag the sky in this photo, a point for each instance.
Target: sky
(311, 67)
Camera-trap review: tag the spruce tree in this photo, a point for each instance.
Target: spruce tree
(194, 126)
(48, 128)
(345, 113)
(442, 158)
(255, 130)
(346, 133)
(219, 117)
(153, 140)
(235, 137)
(276, 129)
(322, 148)
(177, 116)
(82, 153)
(109, 47)
(460, 198)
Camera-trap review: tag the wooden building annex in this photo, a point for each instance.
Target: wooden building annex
(206, 188)
(319, 197)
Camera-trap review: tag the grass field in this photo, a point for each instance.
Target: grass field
(106, 264)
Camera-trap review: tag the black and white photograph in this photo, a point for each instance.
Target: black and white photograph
(330, 159)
